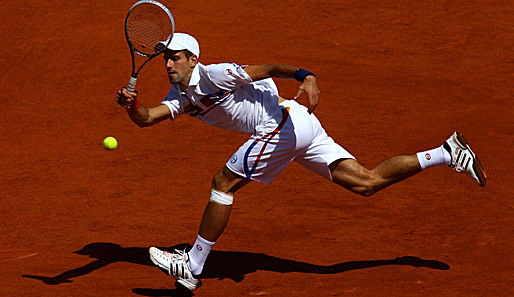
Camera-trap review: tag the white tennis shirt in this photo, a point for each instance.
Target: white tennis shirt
(224, 95)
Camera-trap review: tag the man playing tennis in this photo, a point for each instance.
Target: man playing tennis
(246, 99)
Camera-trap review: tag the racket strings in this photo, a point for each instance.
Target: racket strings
(146, 26)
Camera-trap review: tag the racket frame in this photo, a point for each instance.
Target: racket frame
(133, 78)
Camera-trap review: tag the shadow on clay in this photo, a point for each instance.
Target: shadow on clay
(220, 265)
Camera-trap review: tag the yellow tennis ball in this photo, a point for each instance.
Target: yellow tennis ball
(110, 143)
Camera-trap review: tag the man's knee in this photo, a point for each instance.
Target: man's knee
(367, 189)
(228, 182)
(363, 187)
(352, 176)
(220, 182)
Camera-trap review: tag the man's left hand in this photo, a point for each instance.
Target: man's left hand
(309, 87)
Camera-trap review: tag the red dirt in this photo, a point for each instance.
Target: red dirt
(396, 77)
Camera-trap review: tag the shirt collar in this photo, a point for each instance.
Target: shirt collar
(195, 76)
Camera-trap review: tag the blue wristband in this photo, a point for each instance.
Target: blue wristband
(300, 74)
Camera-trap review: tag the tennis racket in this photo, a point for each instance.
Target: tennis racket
(149, 27)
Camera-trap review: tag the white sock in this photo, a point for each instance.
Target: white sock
(198, 254)
(434, 157)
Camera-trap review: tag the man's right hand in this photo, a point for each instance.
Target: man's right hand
(125, 98)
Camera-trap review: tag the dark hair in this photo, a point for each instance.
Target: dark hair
(187, 53)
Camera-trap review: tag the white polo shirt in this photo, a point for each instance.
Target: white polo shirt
(224, 95)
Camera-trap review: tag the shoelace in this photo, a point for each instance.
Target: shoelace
(178, 255)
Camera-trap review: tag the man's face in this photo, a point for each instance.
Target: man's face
(178, 66)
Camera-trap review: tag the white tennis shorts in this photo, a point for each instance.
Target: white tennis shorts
(299, 136)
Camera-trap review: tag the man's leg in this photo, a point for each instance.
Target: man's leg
(224, 184)
(455, 152)
(215, 217)
(185, 267)
(353, 176)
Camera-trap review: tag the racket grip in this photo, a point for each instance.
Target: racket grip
(132, 84)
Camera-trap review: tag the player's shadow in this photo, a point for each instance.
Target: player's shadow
(220, 265)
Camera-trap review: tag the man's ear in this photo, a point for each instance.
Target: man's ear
(193, 60)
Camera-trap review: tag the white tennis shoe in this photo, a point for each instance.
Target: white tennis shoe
(176, 264)
(463, 158)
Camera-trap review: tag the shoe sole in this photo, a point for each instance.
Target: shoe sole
(478, 168)
(187, 285)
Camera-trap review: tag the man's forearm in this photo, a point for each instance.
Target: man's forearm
(140, 116)
(258, 72)
(282, 70)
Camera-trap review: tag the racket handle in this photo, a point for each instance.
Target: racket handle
(132, 84)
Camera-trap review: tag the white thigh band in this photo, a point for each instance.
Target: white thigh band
(221, 197)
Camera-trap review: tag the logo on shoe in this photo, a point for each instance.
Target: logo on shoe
(228, 71)
(233, 159)
(427, 156)
(199, 247)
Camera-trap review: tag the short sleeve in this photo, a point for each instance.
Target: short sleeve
(228, 76)
(173, 102)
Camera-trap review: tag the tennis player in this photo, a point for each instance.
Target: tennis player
(246, 99)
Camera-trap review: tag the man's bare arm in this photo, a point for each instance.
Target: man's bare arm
(140, 114)
(258, 72)
(309, 84)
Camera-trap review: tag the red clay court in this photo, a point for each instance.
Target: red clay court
(395, 76)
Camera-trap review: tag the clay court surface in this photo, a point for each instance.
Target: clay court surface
(396, 77)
